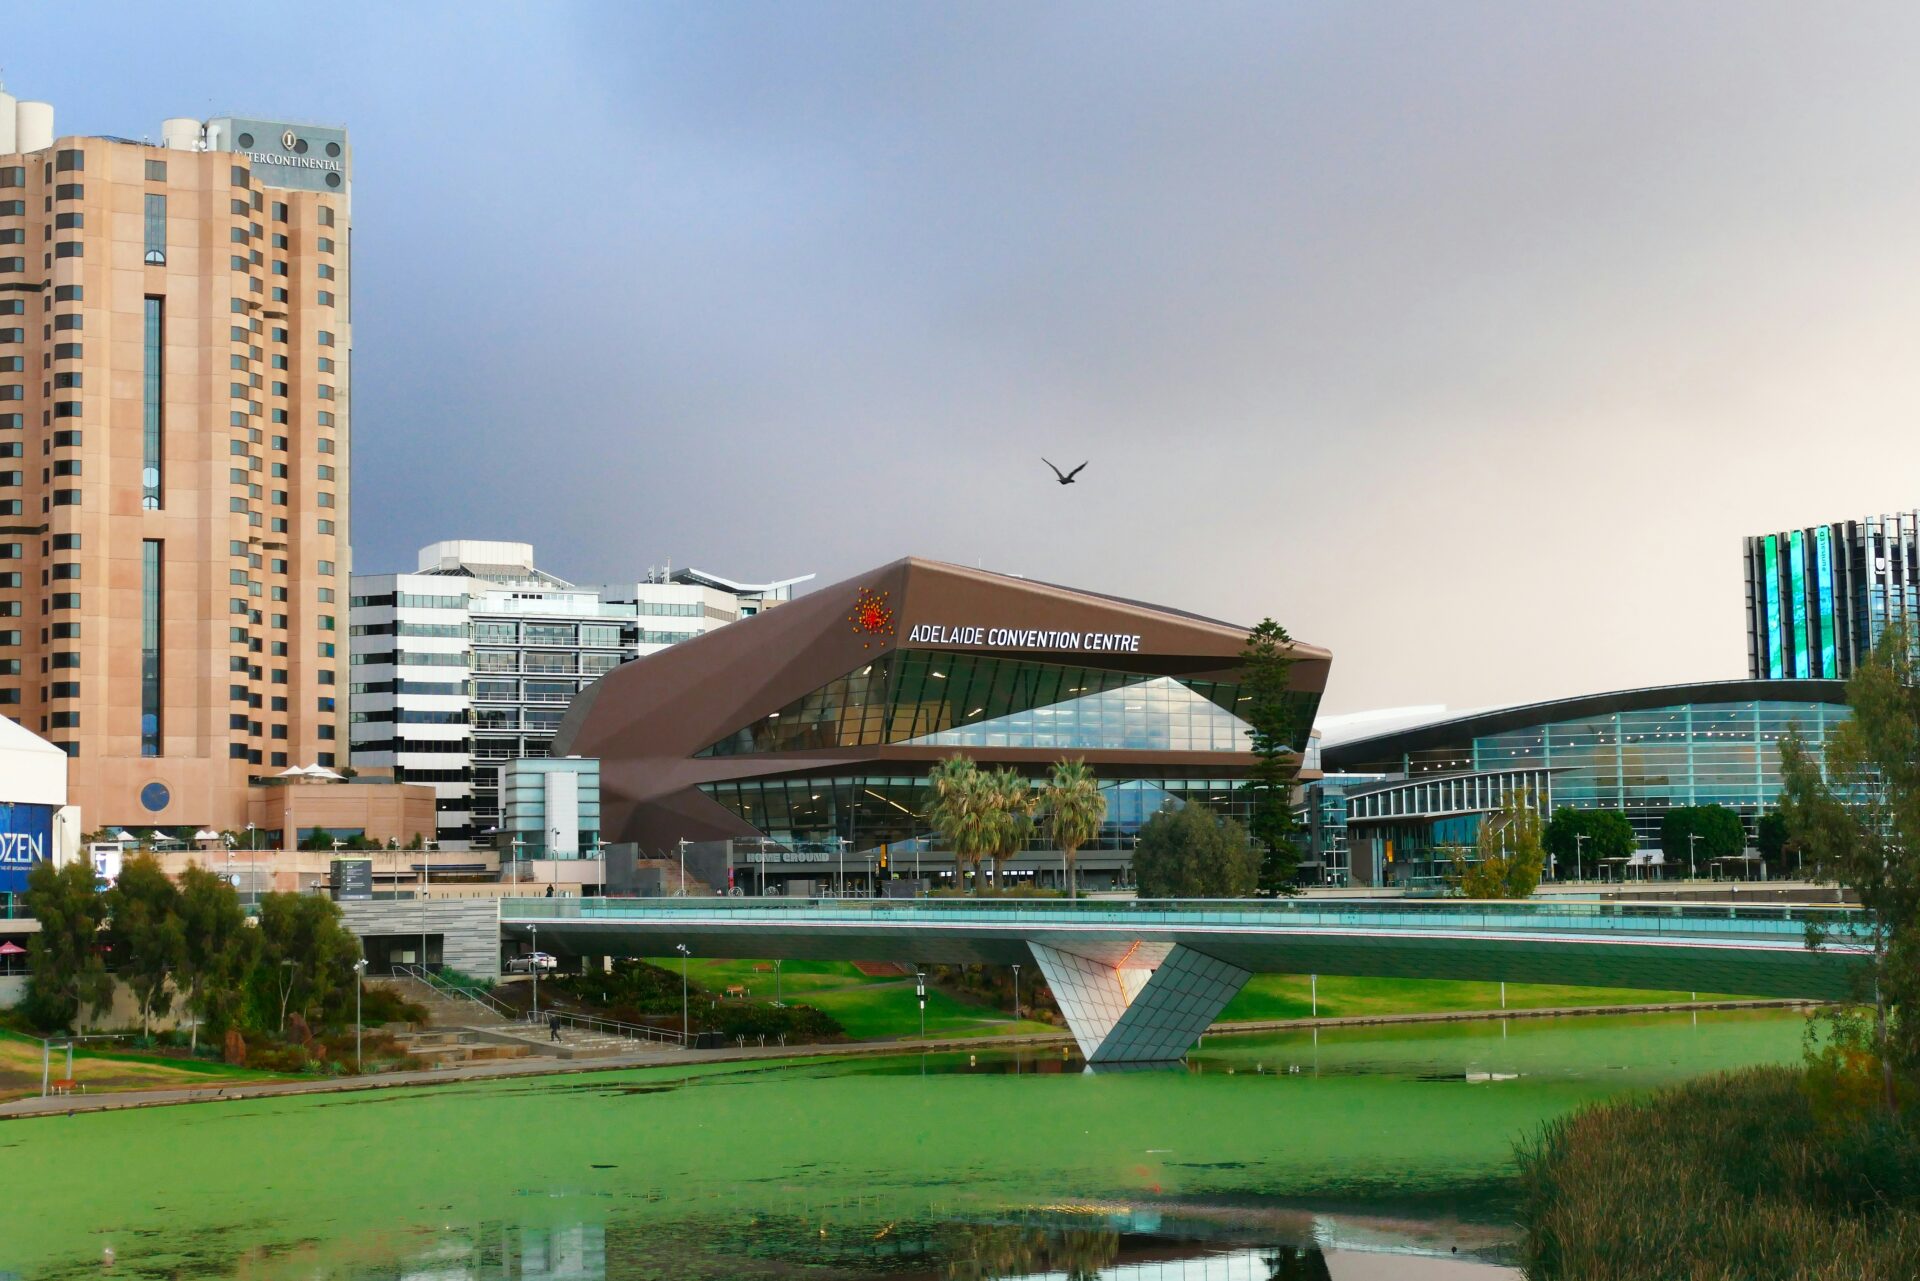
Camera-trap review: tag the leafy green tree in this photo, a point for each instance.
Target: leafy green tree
(1273, 720)
(1563, 839)
(1008, 801)
(1075, 809)
(1580, 840)
(1611, 835)
(318, 839)
(1191, 852)
(306, 954)
(220, 949)
(146, 935)
(1774, 841)
(1720, 831)
(1858, 823)
(1509, 856)
(66, 971)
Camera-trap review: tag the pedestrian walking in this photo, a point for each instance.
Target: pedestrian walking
(553, 1027)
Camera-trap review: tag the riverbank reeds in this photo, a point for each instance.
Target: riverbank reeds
(1745, 1175)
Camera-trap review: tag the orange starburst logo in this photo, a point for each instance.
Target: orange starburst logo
(871, 615)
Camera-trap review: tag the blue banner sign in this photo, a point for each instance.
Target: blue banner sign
(26, 837)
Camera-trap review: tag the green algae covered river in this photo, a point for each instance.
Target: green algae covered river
(1366, 1152)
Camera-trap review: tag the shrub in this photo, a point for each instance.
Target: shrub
(384, 1005)
(1738, 1175)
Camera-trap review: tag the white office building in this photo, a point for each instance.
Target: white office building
(470, 661)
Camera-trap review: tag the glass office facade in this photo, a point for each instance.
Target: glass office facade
(1641, 761)
(1820, 598)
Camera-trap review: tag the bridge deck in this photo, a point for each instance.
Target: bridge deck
(1749, 950)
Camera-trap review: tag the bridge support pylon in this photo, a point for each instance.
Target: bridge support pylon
(1140, 1003)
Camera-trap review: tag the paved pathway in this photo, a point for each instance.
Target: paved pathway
(67, 1105)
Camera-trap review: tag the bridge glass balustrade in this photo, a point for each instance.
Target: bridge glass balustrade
(1693, 920)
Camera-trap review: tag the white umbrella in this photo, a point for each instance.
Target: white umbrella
(292, 771)
(124, 835)
(205, 835)
(321, 771)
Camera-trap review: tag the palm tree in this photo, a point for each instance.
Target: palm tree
(1076, 807)
(1010, 801)
(956, 809)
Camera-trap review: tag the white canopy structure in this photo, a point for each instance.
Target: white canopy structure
(32, 770)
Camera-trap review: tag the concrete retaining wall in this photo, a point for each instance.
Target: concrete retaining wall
(469, 928)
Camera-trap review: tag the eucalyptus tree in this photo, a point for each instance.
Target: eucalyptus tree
(1855, 816)
(146, 935)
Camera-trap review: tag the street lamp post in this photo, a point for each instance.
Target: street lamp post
(684, 954)
(426, 885)
(683, 868)
(777, 993)
(1693, 838)
(920, 990)
(535, 966)
(359, 973)
(1579, 840)
(1016, 992)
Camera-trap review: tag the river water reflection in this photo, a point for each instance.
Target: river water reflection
(1376, 1152)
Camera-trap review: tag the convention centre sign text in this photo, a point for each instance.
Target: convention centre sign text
(1024, 638)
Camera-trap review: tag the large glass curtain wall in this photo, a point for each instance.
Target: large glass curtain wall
(1647, 762)
(970, 700)
(867, 811)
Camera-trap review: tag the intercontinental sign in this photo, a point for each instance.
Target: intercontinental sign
(1025, 638)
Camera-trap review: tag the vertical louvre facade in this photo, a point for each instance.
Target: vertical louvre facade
(1820, 598)
(174, 387)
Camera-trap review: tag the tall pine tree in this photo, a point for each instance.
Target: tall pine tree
(1272, 716)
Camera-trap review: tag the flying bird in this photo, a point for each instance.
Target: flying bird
(1066, 478)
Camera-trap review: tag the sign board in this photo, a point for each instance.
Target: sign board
(302, 157)
(26, 837)
(107, 862)
(1024, 638)
(352, 879)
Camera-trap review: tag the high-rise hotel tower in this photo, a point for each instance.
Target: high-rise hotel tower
(174, 344)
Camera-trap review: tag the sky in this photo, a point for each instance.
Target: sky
(1467, 341)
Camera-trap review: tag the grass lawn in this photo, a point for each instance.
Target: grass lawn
(1287, 996)
(875, 1007)
(869, 1007)
(105, 1070)
(891, 1011)
(796, 977)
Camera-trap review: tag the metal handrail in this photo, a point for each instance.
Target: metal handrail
(441, 985)
(1720, 919)
(632, 1031)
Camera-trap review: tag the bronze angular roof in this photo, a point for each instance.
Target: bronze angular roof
(647, 720)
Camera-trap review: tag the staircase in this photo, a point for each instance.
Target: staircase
(444, 1008)
(487, 1028)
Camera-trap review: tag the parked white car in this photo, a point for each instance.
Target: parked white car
(541, 961)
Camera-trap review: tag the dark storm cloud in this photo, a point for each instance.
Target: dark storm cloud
(1466, 340)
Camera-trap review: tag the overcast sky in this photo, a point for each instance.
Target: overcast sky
(1465, 340)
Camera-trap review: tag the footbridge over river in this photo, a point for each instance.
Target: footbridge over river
(1140, 980)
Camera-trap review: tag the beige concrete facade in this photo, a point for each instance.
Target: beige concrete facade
(383, 811)
(229, 452)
